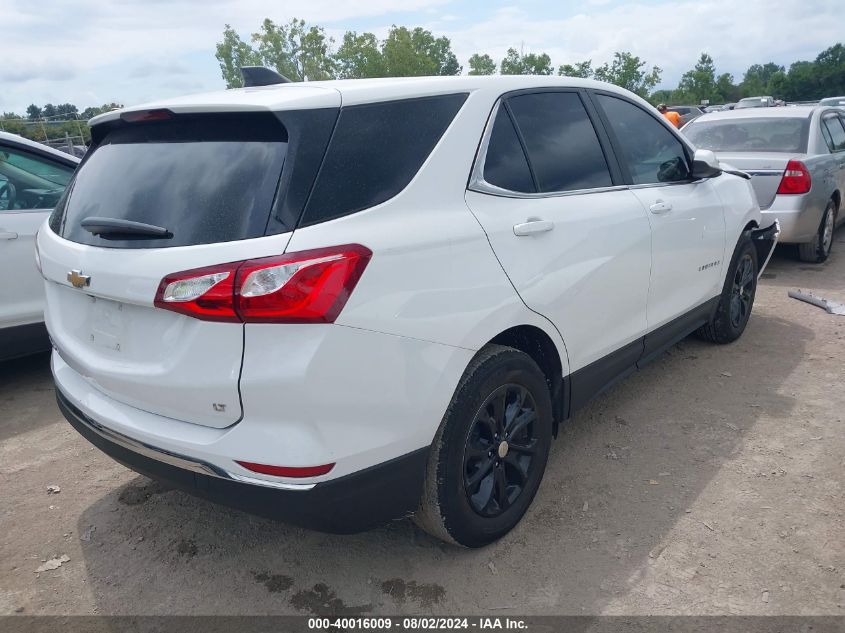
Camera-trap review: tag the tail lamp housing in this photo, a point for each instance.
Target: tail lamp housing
(796, 178)
(304, 287)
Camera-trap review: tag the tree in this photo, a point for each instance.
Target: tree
(33, 112)
(516, 63)
(68, 110)
(232, 53)
(92, 111)
(830, 69)
(726, 88)
(359, 56)
(629, 72)
(49, 111)
(413, 53)
(699, 84)
(295, 50)
(802, 83)
(579, 69)
(756, 79)
(481, 65)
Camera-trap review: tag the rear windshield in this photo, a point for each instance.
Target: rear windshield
(767, 134)
(205, 178)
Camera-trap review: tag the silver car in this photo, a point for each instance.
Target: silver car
(796, 159)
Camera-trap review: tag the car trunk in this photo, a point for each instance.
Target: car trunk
(765, 169)
(213, 183)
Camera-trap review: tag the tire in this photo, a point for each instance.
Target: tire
(478, 486)
(818, 250)
(737, 298)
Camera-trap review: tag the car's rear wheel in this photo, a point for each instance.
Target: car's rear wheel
(818, 250)
(490, 451)
(737, 298)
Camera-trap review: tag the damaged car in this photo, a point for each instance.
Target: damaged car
(341, 303)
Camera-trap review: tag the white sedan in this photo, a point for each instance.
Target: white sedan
(32, 179)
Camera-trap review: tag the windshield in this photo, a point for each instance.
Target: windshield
(752, 103)
(204, 181)
(750, 135)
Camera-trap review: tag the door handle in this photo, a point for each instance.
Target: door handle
(8, 235)
(660, 207)
(532, 227)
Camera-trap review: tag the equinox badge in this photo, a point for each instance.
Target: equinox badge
(77, 279)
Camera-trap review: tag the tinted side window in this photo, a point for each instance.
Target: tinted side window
(837, 133)
(827, 137)
(563, 149)
(375, 151)
(28, 181)
(651, 152)
(506, 165)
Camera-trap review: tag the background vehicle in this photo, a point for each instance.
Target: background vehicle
(833, 101)
(32, 178)
(796, 158)
(728, 106)
(687, 113)
(406, 325)
(755, 102)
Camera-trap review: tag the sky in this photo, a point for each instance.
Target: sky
(90, 52)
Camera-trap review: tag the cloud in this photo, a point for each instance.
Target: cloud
(134, 50)
(668, 34)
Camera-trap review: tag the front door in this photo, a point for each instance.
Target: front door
(687, 217)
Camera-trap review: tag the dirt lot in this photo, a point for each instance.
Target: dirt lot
(711, 482)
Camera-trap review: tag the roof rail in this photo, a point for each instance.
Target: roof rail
(261, 76)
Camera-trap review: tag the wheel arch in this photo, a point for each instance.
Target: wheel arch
(542, 349)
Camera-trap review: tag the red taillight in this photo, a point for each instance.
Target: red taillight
(288, 471)
(140, 116)
(796, 178)
(304, 287)
(203, 293)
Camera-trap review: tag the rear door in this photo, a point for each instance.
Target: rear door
(213, 183)
(30, 186)
(687, 217)
(574, 242)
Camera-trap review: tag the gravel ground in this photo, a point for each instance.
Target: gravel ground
(711, 482)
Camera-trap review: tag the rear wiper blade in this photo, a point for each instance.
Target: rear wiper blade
(116, 226)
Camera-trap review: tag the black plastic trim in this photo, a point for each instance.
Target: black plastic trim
(584, 384)
(346, 505)
(23, 340)
(664, 337)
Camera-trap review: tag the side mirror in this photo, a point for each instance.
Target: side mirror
(705, 164)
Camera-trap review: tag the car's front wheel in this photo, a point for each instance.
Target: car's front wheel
(737, 298)
(818, 250)
(490, 451)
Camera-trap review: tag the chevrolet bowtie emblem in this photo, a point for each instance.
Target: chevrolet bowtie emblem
(78, 280)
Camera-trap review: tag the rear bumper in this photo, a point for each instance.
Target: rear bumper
(345, 505)
(799, 217)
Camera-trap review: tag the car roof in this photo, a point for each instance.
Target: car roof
(334, 93)
(14, 139)
(798, 112)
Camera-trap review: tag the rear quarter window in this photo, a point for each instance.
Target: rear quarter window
(375, 151)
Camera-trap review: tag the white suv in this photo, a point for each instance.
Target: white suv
(340, 303)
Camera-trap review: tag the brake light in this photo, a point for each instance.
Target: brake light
(305, 287)
(203, 293)
(162, 114)
(796, 178)
(288, 471)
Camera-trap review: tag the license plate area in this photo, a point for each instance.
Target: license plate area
(107, 323)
